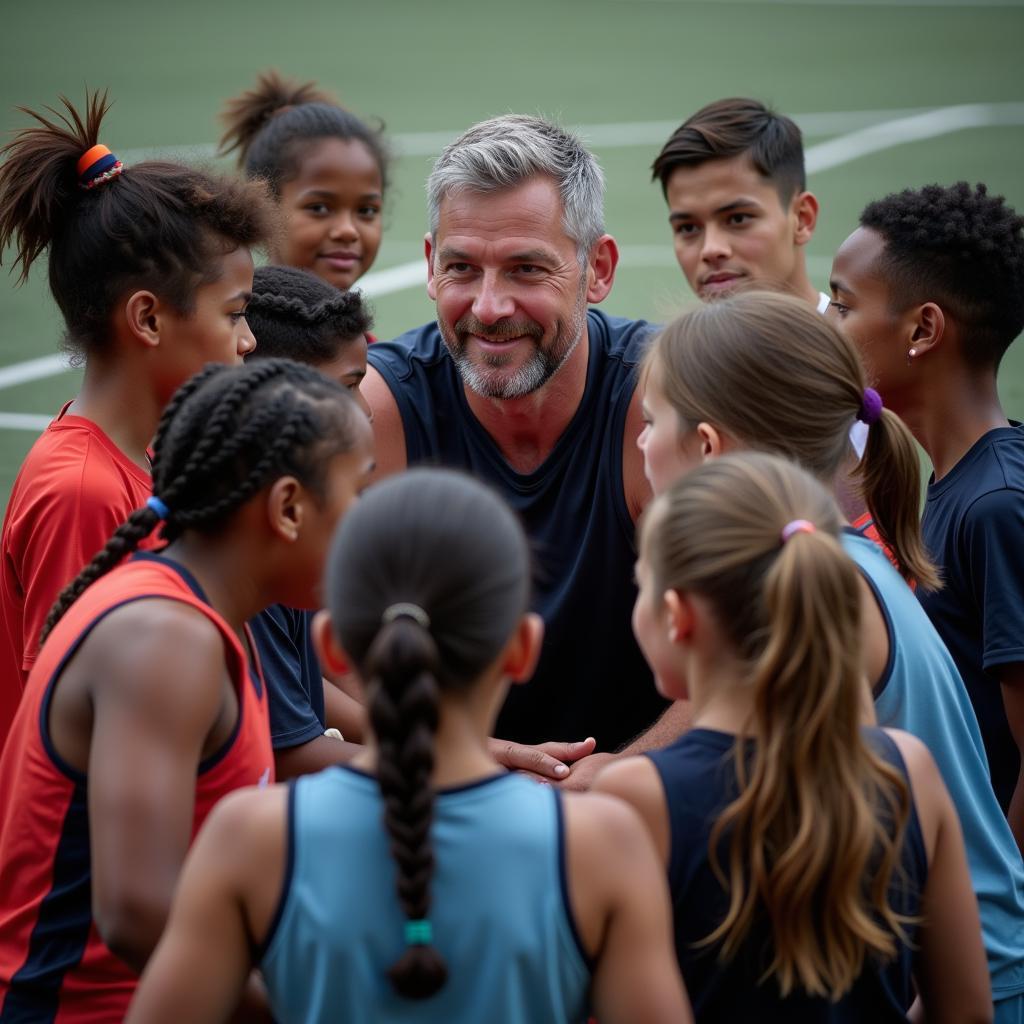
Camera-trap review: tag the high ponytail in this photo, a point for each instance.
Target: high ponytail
(771, 372)
(814, 836)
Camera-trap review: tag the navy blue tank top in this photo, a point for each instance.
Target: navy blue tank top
(699, 778)
(591, 679)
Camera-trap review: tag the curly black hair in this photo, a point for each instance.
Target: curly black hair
(293, 314)
(961, 248)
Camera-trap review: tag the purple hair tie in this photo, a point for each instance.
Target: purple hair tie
(797, 526)
(870, 407)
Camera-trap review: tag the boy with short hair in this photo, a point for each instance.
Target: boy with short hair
(931, 289)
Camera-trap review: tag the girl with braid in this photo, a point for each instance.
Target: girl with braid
(150, 266)
(327, 169)
(422, 883)
(142, 710)
(759, 371)
(816, 866)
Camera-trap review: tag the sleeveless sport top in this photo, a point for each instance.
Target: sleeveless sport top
(53, 964)
(499, 908)
(591, 679)
(699, 778)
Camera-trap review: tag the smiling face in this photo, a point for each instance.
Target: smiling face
(332, 212)
(511, 295)
(731, 228)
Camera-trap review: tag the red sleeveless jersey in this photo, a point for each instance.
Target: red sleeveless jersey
(53, 964)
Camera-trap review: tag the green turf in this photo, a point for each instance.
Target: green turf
(441, 66)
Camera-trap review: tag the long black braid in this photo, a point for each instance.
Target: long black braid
(226, 433)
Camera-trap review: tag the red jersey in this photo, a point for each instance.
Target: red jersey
(53, 964)
(74, 489)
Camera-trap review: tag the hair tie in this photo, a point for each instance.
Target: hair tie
(419, 932)
(870, 407)
(797, 526)
(97, 166)
(158, 507)
(405, 609)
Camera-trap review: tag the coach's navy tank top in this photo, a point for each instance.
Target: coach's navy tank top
(698, 774)
(592, 679)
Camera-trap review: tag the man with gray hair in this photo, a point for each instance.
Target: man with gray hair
(521, 385)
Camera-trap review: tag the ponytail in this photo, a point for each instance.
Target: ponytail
(401, 666)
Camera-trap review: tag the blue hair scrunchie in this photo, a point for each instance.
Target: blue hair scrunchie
(158, 507)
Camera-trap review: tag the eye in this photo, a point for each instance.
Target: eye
(369, 212)
(840, 309)
(317, 209)
(685, 229)
(236, 315)
(458, 267)
(737, 219)
(529, 269)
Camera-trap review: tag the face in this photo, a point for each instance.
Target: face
(348, 368)
(651, 628)
(511, 295)
(215, 331)
(731, 228)
(332, 212)
(861, 309)
(668, 453)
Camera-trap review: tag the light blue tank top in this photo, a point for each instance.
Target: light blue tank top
(923, 694)
(499, 908)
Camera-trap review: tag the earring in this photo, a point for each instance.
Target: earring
(910, 355)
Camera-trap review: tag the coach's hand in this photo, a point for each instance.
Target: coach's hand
(549, 762)
(585, 770)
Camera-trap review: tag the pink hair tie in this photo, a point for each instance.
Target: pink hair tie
(797, 526)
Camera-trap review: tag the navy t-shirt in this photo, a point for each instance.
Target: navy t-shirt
(974, 528)
(592, 679)
(698, 774)
(295, 687)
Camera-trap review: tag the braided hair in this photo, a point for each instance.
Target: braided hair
(427, 579)
(959, 247)
(227, 433)
(272, 124)
(158, 226)
(295, 315)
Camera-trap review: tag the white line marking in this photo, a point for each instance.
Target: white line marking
(32, 369)
(394, 279)
(24, 421)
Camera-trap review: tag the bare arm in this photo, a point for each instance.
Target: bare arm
(635, 780)
(315, 755)
(344, 712)
(388, 432)
(1011, 679)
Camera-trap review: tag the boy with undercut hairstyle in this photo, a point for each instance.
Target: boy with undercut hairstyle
(733, 177)
(931, 289)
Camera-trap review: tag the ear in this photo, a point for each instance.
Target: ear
(805, 207)
(928, 326)
(523, 649)
(712, 441)
(333, 662)
(604, 258)
(428, 251)
(142, 311)
(679, 615)
(285, 511)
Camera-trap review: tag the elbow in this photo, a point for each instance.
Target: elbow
(131, 930)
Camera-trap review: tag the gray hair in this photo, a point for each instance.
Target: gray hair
(505, 152)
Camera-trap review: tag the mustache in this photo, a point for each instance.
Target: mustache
(499, 331)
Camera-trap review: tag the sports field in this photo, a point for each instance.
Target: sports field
(889, 95)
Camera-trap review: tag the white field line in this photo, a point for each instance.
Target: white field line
(910, 127)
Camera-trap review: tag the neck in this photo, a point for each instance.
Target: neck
(526, 429)
(111, 398)
(719, 695)
(801, 283)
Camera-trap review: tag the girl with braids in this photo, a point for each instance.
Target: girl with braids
(327, 169)
(761, 371)
(142, 711)
(512, 900)
(151, 268)
(816, 866)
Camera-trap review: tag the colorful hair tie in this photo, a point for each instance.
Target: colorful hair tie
(419, 932)
(797, 526)
(158, 507)
(96, 166)
(870, 407)
(408, 610)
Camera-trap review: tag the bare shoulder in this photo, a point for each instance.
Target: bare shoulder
(629, 778)
(603, 823)
(248, 819)
(388, 431)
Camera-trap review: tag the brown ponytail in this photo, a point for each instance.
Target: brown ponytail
(815, 835)
(771, 372)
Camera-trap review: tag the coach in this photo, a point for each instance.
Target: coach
(522, 385)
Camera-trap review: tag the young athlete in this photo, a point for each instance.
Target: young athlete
(931, 289)
(816, 866)
(767, 372)
(327, 168)
(423, 883)
(151, 268)
(141, 710)
(733, 177)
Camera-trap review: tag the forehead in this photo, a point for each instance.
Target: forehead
(717, 183)
(856, 264)
(234, 274)
(526, 217)
(350, 358)
(332, 159)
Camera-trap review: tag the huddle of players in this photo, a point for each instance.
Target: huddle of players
(427, 593)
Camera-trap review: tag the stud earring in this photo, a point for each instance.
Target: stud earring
(910, 355)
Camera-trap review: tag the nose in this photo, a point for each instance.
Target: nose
(716, 245)
(246, 340)
(641, 438)
(493, 301)
(343, 227)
